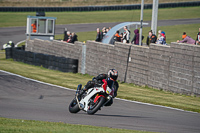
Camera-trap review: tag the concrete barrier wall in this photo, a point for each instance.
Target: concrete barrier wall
(158, 70)
(182, 68)
(174, 68)
(138, 65)
(102, 57)
(196, 70)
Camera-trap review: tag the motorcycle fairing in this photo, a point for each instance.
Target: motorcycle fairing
(90, 93)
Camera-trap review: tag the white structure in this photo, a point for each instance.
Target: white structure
(109, 37)
(40, 27)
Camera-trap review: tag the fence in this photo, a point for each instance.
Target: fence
(174, 68)
(96, 8)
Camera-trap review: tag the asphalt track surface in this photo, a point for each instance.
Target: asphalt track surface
(17, 34)
(22, 98)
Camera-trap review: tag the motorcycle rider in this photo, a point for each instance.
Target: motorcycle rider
(102, 80)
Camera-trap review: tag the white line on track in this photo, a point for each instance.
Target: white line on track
(75, 90)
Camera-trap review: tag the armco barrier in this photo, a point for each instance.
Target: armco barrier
(47, 61)
(96, 8)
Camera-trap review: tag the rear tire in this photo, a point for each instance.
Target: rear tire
(98, 105)
(73, 106)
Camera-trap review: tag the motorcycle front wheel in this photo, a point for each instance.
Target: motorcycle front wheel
(73, 106)
(93, 108)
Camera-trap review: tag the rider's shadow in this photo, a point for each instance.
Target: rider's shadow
(119, 116)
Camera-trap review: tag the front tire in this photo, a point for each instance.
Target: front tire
(92, 109)
(73, 106)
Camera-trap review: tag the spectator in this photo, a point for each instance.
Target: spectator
(121, 37)
(159, 34)
(151, 38)
(65, 35)
(161, 39)
(69, 36)
(34, 27)
(186, 39)
(198, 37)
(136, 37)
(103, 33)
(107, 30)
(117, 37)
(126, 35)
(73, 38)
(98, 38)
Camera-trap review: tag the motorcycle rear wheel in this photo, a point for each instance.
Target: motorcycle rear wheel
(99, 103)
(73, 106)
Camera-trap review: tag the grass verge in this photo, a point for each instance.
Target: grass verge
(126, 91)
(9, 19)
(19, 126)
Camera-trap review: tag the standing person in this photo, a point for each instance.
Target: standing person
(186, 39)
(74, 38)
(107, 29)
(65, 35)
(126, 35)
(159, 34)
(121, 37)
(161, 39)
(34, 27)
(98, 37)
(151, 38)
(69, 36)
(103, 33)
(198, 37)
(117, 37)
(136, 37)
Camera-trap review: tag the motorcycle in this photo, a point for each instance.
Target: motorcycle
(92, 100)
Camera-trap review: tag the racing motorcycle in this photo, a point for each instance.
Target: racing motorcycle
(92, 100)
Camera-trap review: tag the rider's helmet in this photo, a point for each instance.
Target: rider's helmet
(112, 73)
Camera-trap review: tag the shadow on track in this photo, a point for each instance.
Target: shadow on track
(124, 116)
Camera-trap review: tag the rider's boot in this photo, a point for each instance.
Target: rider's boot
(81, 93)
(89, 84)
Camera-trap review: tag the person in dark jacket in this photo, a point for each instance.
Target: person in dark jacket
(65, 35)
(73, 38)
(198, 37)
(98, 38)
(136, 37)
(151, 38)
(101, 80)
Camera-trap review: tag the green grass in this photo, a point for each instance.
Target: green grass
(19, 18)
(173, 33)
(31, 126)
(126, 91)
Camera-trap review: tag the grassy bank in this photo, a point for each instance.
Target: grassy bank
(30, 126)
(126, 91)
(9, 19)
